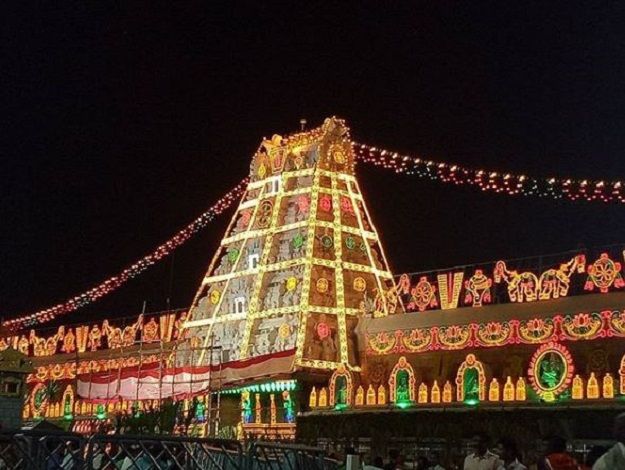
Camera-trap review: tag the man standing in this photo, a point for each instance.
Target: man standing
(482, 458)
(509, 453)
(614, 459)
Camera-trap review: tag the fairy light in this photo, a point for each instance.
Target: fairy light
(113, 283)
(492, 181)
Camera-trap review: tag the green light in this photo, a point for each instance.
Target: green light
(68, 417)
(471, 402)
(404, 404)
(340, 406)
(101, 412)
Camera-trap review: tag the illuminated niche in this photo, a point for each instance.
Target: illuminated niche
(402, 384)
(68, 402)
(551, 370)
(341, 388)
(471, 381)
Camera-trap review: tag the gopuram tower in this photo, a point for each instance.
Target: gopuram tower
(300, 262)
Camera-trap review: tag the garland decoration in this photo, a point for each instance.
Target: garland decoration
(508, 183)
(115, 282)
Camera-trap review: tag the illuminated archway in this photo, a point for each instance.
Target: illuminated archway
(471, 380)
(341, 387)
(68, 402)
(402, 382)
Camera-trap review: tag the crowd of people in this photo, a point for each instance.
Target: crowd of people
(505, 455)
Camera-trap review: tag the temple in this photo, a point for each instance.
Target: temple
(300, 328)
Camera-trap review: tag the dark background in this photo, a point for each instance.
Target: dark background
(122, 122)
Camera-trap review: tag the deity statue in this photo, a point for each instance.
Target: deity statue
(402, 390)
(95, 338)
(289, 413)
(69, 342)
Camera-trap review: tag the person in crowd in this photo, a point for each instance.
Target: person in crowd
(395, 460)
(72, 458)
(423, 463)
(376, 464)
(509, 454)
(435, 461)
(348, 451)
(614, 458)
(556, 457)
(481, 458)
(593, 456)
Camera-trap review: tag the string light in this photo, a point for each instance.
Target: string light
(115, 282)
(511, 184)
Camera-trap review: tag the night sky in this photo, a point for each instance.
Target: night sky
(122, 122)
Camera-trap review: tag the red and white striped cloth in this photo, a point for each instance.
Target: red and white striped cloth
(151, 381)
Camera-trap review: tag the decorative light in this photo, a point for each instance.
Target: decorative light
(447, 392)
(115, 282)
(577, 392)
(371, 396)
(493, 390)
(381, 395)
(312, 398)
(360, 396)
(422, 395)
(470, 364)
(488, 180)
(550, 371)
(592, 387)
(435, 393)
(508, 390)
(608, 386)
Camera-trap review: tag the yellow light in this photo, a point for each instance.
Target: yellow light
(449, 294)
(272, 398)
(577, 392)
(436, 393)
(508, 390)
(608, 386)
(447, 392)
(592, 387)
(312, 398)
(360, 396)
(520, 393)
(371, 396)
(423, 393)
(381, 395)
(257, 409)
(493, 390)
(323, 398)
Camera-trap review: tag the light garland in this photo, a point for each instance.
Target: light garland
(486, 180)
(115, 282)
(512, 184)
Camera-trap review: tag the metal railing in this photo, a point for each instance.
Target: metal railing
(273, 456)
(34, 450)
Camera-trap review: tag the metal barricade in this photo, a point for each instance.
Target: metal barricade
(274, 456)
(109, 452)
(33, 450)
